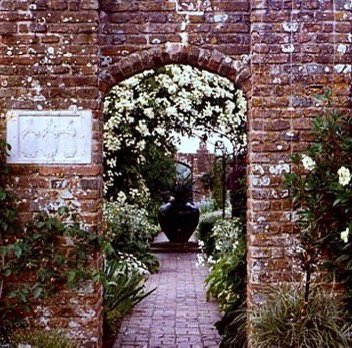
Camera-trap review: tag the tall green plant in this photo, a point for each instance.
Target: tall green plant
(322, 195)
(227, 279)
(124, 287)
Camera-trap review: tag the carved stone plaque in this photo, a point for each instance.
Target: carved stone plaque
(50, 137)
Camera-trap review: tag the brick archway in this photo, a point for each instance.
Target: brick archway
(237, 71)
(58, 55)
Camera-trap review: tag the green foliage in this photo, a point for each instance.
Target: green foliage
(8, 212)
(43, 339)
(182, 191)
(227, 278)
(233, 325)
(282, 320)
(205, 227)
(45, 254)
(226, 245)
(216, 186)
(159, 176)
(49, 253)
(123, 283)
(129, 231)
(206, 205)
(322, 195)
(144, 112)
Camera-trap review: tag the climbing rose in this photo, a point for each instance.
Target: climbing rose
(344, 235)
(308, 163)
(344, 176)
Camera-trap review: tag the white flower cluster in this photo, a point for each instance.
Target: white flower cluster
(227, 234)
(133, 264)
(308, 163)
(176, 98)
(345, 235)
(227, 238)
(124, 214)
(344, 176)
(206, 205)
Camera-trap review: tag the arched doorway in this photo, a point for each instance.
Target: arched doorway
(110, 145)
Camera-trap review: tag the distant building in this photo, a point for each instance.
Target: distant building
(201, 163)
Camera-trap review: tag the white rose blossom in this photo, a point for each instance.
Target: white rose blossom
(344, 176)
(344, 235)
(308, 163)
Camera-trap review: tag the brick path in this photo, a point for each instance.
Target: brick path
(176, 314)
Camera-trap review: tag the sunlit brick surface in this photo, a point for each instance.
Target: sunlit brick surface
(176, 314)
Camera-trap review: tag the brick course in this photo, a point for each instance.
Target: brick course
(60, 54)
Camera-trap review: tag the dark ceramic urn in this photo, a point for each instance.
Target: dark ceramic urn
(178, 221)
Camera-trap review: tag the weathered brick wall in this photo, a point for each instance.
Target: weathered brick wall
(49, 58)
(298, 49)
(61, 54)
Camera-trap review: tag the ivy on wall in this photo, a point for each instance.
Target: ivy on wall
(37, 258)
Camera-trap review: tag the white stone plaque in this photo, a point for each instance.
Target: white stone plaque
(50, 137)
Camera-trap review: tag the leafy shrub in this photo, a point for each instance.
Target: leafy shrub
(8, 202)
(37, 259)
(205, 227)
(321, 189)
(9, 226)
(48, 252)
(129, 231)
(123, 283)
(43, 339)
(206, 205)
(226, 281)
(233, 325)
(284, 321)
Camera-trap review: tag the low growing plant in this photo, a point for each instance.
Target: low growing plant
(124, 287)
(129, 231)
(43, 339)
(282, 320)
(205, 227)
(227, 278)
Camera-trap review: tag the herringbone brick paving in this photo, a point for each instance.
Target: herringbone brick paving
(176, 314)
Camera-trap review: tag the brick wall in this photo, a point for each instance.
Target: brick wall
(62, 54)
(298, 49)
(200, 162)
(49, 59)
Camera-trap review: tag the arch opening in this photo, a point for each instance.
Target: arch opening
(144, 117)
